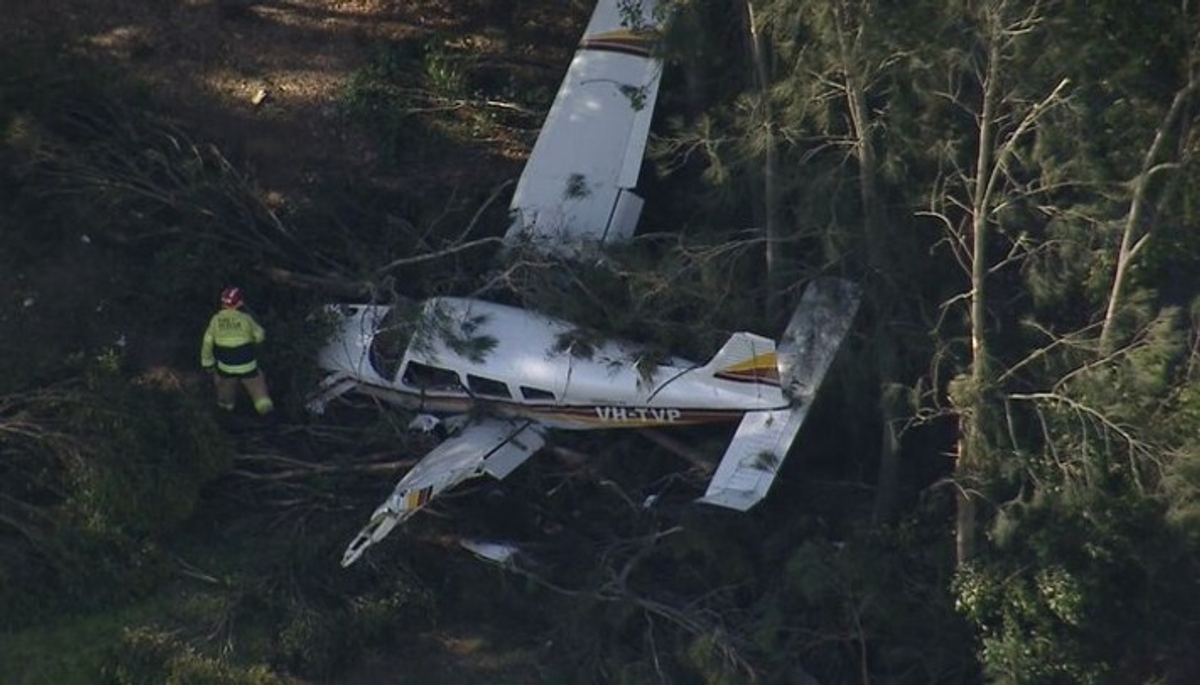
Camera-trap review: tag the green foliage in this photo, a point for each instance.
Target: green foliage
(323, 641)
(1181, 465)
(414, 98)
(1089, 541)
(66, 649)
(437, 326)
(148, 657)
(1124, 73)
(268, 606)
(676, 299)
(444, 75)
(871, 603)
(78, 571)
(296, 332)
(1069, 574)
(107, 468)
(161, 447)
(187, 273)
(377, 95)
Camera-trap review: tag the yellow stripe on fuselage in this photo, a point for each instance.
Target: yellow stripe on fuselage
(761, 368)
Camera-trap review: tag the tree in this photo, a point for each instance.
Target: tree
(969, 205)
(1157, 161)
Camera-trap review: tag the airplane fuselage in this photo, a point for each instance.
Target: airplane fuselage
(466, 355)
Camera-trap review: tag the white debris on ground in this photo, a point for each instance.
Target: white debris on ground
(497, 552)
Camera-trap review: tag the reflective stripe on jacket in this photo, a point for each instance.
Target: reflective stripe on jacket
(229, 342)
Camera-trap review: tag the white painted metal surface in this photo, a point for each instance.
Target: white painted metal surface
(587, 384)
(753, 457)
(577, 186)
(501, 553)
(467, 455)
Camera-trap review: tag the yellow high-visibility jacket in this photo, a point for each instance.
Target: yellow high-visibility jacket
(229, 342)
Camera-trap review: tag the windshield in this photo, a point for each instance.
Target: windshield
(391, 341)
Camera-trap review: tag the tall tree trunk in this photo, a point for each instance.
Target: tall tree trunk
(1133, 239)
(762, 73)
(971, 443)
(851, 30)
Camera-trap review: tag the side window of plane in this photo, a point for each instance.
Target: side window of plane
(536, 393)
(487, 387)
(427, 377)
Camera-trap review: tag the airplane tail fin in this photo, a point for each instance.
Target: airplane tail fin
(746, 358)
(807, 348)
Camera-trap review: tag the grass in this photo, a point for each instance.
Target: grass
(71, 650)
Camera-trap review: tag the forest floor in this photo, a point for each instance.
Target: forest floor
(263, 81)
(263, 78)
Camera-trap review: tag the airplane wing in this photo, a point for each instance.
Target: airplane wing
(488, 445)
(577, 186)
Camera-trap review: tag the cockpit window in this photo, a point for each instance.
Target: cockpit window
(536, 393)
(487, 386)
(391, 339)
(427, 377)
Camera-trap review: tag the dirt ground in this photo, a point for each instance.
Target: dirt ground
(262, 78)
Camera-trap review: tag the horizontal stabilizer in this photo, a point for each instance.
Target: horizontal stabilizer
(813, 336)
(753, 457)
(761, 443)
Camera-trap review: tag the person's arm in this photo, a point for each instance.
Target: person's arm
(257, 332)
(207, 360)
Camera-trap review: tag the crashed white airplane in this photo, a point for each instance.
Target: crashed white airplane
(503, 376)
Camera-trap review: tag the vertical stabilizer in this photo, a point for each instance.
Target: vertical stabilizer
(745, 357)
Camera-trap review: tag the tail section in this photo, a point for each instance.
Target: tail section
(753, 457)
(762, 440)
(746, 358)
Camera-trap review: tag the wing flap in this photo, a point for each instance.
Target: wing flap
(490, 446)
(508, 456)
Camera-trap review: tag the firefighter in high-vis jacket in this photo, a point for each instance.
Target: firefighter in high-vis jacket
(229, 350)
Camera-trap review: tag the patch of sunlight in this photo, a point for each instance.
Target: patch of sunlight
(463, 645)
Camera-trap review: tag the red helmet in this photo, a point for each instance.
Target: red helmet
(231, 297)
